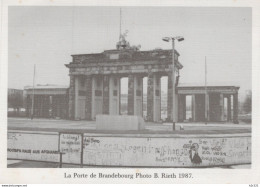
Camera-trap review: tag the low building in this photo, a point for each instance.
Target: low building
(50, 101)
(220, 104)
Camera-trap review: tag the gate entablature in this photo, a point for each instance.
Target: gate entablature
(123, 62)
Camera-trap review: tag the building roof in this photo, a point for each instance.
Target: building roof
(46, 86)
(123, 55)
(209, 84)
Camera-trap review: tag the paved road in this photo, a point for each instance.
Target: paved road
(89, 126)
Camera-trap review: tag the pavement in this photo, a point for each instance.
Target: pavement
(52, 125)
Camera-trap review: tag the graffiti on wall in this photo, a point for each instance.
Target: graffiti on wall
(182, 152)
(131, 151)
(28, 146)
(71, 147)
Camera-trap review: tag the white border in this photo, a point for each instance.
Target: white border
(249, 176)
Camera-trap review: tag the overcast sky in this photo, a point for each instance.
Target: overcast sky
(47, 36)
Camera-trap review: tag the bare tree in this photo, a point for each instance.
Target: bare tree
(15, 100)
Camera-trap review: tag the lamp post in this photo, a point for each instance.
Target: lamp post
(167, 39)
(206, 94)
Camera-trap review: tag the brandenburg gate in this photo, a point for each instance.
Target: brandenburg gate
(95, 86)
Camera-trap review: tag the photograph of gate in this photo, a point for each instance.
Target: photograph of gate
(129, 87)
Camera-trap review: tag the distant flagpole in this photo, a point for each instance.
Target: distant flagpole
(32, 112)
(206, 93)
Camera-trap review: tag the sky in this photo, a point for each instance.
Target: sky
(48, 36)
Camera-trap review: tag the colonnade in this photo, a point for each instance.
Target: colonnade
(210, 109)
(90, 95)
(100, 94)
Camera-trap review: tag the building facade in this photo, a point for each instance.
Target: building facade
(50, 101)
(95, 82)
(220, 104)
(95, 87)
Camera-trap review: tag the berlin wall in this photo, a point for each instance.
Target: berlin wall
(132, 150)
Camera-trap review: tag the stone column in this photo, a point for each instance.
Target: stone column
(106, 94)
(181, 107)
(157, 98)
(135, 93)
(221, 104)
(138, 98)
(97, 96)
(176, 107)
(76, 97)
(235, 108)
(72, 97)
(93, 114)
(193, 108)
(114, 91)
(131, 95)
(88, 104)
(169, 98)
(228, 108)
(150, 95)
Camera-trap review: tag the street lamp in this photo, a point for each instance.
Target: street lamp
(179, 39)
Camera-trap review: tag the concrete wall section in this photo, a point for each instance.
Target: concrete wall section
(33, 146)
(133, 150)
(168, 152)
(71, 146)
